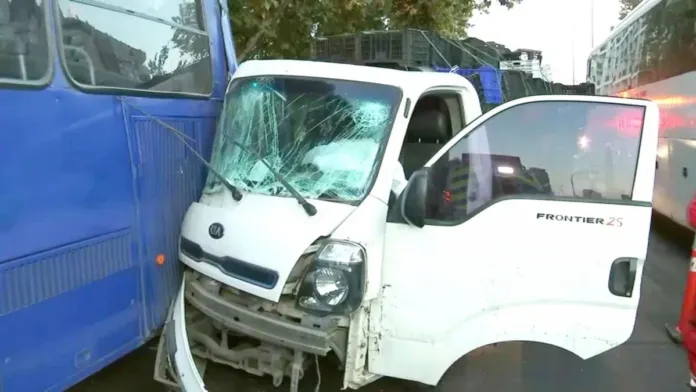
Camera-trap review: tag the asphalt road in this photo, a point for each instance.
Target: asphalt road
(647, 363)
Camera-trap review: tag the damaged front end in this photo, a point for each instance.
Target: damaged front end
(230, 327)
(277, 292)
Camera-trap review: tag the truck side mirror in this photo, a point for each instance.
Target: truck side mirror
(415, 198)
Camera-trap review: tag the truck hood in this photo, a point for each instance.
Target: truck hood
(263, 238)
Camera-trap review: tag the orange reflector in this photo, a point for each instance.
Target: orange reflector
(159, 259)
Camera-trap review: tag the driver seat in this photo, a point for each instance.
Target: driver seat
(427, 132)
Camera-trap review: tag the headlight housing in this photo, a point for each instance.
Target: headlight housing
(335, 282)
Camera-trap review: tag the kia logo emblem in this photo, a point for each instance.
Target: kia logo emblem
(216, 231)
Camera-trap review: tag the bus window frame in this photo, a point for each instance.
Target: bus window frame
(47, 78)
(108, 90)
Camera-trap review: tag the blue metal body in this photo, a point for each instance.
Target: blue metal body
(91, 191)
(491, 81)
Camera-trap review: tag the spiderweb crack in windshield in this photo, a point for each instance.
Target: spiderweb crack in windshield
(325, 145)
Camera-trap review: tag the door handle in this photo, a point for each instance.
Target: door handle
(622, 276)
(685, 172)
(657, 165)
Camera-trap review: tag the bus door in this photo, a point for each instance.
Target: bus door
(178, 85)
(94, 190)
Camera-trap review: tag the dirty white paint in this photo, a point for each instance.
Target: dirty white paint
(504, 275)
(436, 293)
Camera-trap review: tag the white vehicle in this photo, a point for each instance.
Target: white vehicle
(516, 225)
(650, 55)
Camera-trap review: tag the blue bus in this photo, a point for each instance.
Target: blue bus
(92, 190)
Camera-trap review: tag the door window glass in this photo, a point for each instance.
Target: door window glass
(582, 150)
(152, 45)
(23, 40)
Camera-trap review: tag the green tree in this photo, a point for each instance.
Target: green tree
(156, 64)
(284, 28)
(191, 44)
(627, 6)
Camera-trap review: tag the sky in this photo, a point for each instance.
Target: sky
(559, 28)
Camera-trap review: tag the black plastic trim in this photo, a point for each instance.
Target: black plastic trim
(627, 291)
(407, 107)
(238, 269)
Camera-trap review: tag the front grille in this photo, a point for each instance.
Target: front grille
(230, 266)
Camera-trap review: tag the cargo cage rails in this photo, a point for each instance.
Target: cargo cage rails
(427, 51)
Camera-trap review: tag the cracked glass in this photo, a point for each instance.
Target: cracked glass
(326, 137)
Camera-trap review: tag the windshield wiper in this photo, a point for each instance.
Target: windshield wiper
(236, 194)
(309, 208)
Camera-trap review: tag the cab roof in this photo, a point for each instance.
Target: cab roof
(315, 69)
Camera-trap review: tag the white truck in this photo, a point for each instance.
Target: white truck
(305, 245)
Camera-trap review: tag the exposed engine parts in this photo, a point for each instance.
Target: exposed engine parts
(257, 336)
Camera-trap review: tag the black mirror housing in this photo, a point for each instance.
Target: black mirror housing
(414, 200)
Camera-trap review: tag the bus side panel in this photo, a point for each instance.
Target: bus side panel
(663, 189)
(69, 284)
(169, 179)
(683, 175)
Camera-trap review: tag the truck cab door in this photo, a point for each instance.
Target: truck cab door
(531, 224)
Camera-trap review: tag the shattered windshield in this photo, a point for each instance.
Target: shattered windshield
(326, 137)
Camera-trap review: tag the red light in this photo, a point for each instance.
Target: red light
(670, 121)
(448, 196)
(628, 122)
(672, 101)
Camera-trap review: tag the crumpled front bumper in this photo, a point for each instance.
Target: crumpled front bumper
(285, 344)
(174, 365)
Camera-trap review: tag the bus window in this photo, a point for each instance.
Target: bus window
(147, 45)
(23, 41)
(657, 46)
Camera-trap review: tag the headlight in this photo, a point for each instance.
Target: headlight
(335, 281)
(331, 286)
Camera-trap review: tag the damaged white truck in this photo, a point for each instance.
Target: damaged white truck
(527, 223)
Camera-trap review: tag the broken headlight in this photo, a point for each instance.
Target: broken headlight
(335, 281)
